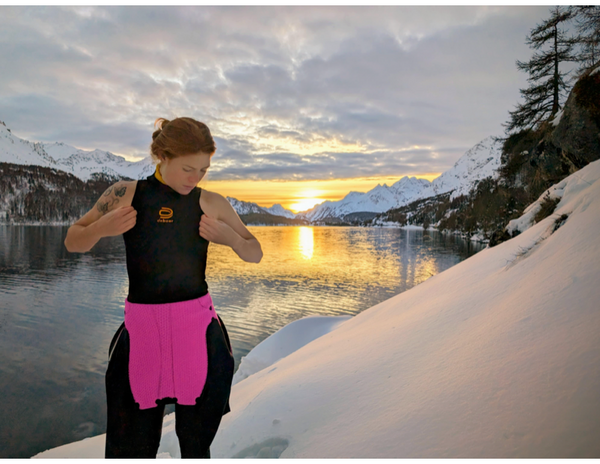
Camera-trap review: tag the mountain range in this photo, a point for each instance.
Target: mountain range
(478, 163)
(481, 161)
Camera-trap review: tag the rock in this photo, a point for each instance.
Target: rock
(577, 135)
(499, 236)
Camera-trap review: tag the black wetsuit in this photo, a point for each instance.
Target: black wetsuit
(166, 262)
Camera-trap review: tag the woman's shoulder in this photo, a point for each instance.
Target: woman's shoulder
(212, 202)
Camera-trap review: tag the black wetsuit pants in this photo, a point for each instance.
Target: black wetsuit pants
(135, 433)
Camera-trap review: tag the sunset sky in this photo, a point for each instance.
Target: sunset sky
(305, 103)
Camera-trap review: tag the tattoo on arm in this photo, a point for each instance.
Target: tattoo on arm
(120, 191)
(104, 206)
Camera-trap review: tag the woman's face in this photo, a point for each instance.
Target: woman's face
(184, 172)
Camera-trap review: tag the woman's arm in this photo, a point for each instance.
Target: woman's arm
(228, 229)
(112, 215)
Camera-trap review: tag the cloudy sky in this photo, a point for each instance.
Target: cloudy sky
(302, 101)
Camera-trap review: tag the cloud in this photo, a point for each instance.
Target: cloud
(288, 92)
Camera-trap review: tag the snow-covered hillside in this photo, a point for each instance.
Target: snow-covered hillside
(496, 357)
(279, 210)
(83, 163)
(80, 163)
(479, 162)
(246, 207)
(18, 151)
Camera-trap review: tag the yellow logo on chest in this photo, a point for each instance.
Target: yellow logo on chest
(165, 215)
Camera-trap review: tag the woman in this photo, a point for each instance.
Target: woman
(172, 346)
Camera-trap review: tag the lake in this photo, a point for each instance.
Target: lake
(59, 310)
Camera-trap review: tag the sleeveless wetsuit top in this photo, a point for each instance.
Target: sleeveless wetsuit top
(166, 256)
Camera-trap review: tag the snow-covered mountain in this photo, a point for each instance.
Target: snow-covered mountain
(279, 210)
(80, 163)
(246, 207)
(479, 162)
(378, 200)
(83, 163)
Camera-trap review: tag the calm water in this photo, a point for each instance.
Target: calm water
(59, 311)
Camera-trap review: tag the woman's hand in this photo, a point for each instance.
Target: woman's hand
(217, 231)
(116, 222)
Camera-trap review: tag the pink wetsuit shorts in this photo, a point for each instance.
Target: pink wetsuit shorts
(168, 355)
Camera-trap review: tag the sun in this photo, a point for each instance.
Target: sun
(304, 204)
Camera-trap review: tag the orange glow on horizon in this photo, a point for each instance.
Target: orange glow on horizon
(299, 195)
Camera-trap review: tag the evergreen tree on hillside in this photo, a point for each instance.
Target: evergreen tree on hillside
(543, 97)
(587, 19)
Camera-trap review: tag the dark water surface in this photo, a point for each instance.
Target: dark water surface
(59, 310)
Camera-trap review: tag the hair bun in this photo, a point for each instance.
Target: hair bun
(161, 123)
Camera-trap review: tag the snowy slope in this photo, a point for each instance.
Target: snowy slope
(246, 207)
(18, 151)
(479, 162)
(496, 357)
(78, 162)
(279, 210)
(284, 342)
(82, 163)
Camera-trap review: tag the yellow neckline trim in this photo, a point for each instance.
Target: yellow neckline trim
(158, 176)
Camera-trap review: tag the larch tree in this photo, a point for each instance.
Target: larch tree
(543, 97)
(587, 20)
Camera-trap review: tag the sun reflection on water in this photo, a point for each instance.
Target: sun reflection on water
(306, 243)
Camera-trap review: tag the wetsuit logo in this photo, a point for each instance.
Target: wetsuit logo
(165, 215)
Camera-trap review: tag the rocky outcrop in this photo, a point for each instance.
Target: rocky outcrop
(535, 160)
(577, 135)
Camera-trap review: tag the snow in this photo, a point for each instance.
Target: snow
(556, 119)
(478, 237)
(284, 342)
(279, 210)
(480, 162)
(495, 357)
(526, 220)
(246, 207)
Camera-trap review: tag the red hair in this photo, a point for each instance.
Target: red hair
(181, 137)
